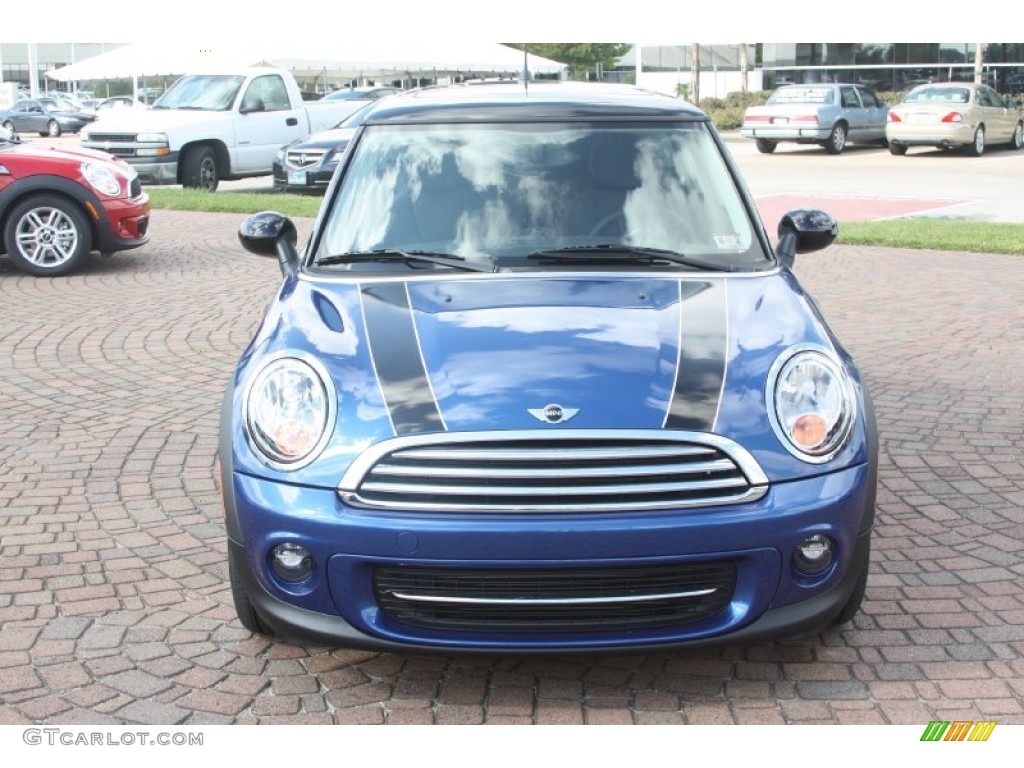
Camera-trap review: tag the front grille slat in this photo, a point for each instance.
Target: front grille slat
(540, 453)
(571, 471)
(602, 599)
(471, 472)
(122, 138)
(426, 489)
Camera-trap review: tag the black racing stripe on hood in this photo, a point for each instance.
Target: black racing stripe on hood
(396, 357)
(703, 321)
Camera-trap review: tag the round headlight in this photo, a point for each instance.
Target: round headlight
(288, 411)
(811, 404)
(102, 179)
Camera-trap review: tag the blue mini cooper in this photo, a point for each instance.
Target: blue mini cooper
(539, 382)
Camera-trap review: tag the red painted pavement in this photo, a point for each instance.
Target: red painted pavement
(773, 207)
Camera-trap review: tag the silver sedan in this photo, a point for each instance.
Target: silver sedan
(828, 114)
(952, 115)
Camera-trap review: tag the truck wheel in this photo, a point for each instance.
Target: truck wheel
(47, 235)
(199, 169)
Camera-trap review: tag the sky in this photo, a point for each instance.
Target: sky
(648, 22)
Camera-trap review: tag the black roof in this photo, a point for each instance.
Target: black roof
(514, 101)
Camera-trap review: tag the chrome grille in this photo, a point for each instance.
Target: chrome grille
(304, 158)
(564, 471)
(585, 599)
(112, 137)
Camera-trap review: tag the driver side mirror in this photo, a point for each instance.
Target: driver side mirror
(804, 230)
(252, 104)
(271, 234)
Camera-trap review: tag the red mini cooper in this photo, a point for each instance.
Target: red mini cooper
(58, 204)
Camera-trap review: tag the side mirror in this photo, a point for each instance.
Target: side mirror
(252, 104)
(271, 234)
(804, 230)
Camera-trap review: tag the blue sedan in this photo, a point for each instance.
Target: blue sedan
(539, 382)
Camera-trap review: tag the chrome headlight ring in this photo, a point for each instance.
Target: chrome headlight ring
(811, 403)
(288, 410)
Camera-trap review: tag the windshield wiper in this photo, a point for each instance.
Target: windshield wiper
(408, 257)
(613, 252)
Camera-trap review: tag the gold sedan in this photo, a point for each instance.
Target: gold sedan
(949, 115)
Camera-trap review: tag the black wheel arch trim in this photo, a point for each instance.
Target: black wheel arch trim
(227, 464)
(46, 184)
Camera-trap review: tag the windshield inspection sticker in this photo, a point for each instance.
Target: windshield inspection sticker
(732, 242)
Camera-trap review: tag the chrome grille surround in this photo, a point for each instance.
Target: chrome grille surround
(557, 471)
(304, 158)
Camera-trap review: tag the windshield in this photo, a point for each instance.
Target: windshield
(500, 192)
(803, 95)
(941, 94)
(208, 92)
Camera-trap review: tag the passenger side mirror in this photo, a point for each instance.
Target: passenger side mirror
(804, 230)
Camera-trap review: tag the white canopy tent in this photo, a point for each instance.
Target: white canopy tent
(346, 59)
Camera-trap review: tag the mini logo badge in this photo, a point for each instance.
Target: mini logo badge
(553, 414)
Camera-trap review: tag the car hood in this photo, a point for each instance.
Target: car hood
(325, 139)
(37, 157)
(540, 352)
(147, 120)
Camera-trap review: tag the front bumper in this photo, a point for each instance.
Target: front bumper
(127, 224)
(338, 604)
(152, 171)
(313, 180)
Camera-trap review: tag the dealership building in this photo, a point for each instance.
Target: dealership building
(882, 66)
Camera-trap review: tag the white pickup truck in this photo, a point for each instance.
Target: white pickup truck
(214, 126)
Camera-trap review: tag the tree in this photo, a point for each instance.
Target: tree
(581, 58)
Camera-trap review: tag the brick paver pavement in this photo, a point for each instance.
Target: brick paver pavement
(114, 606)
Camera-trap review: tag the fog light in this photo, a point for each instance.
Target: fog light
(814, 554)
(291, 562)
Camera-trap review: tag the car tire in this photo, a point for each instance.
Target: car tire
(243, 605)
(53, 129)
(766, 146)
(10, 127)
(897, 149)
(47, 235)
(836, 141)
(199, 169)
(857, 596)
(1017, 140)
(977, 147)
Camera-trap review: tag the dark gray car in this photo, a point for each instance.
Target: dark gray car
(38, 116)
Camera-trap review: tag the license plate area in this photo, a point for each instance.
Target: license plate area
(297, 178)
